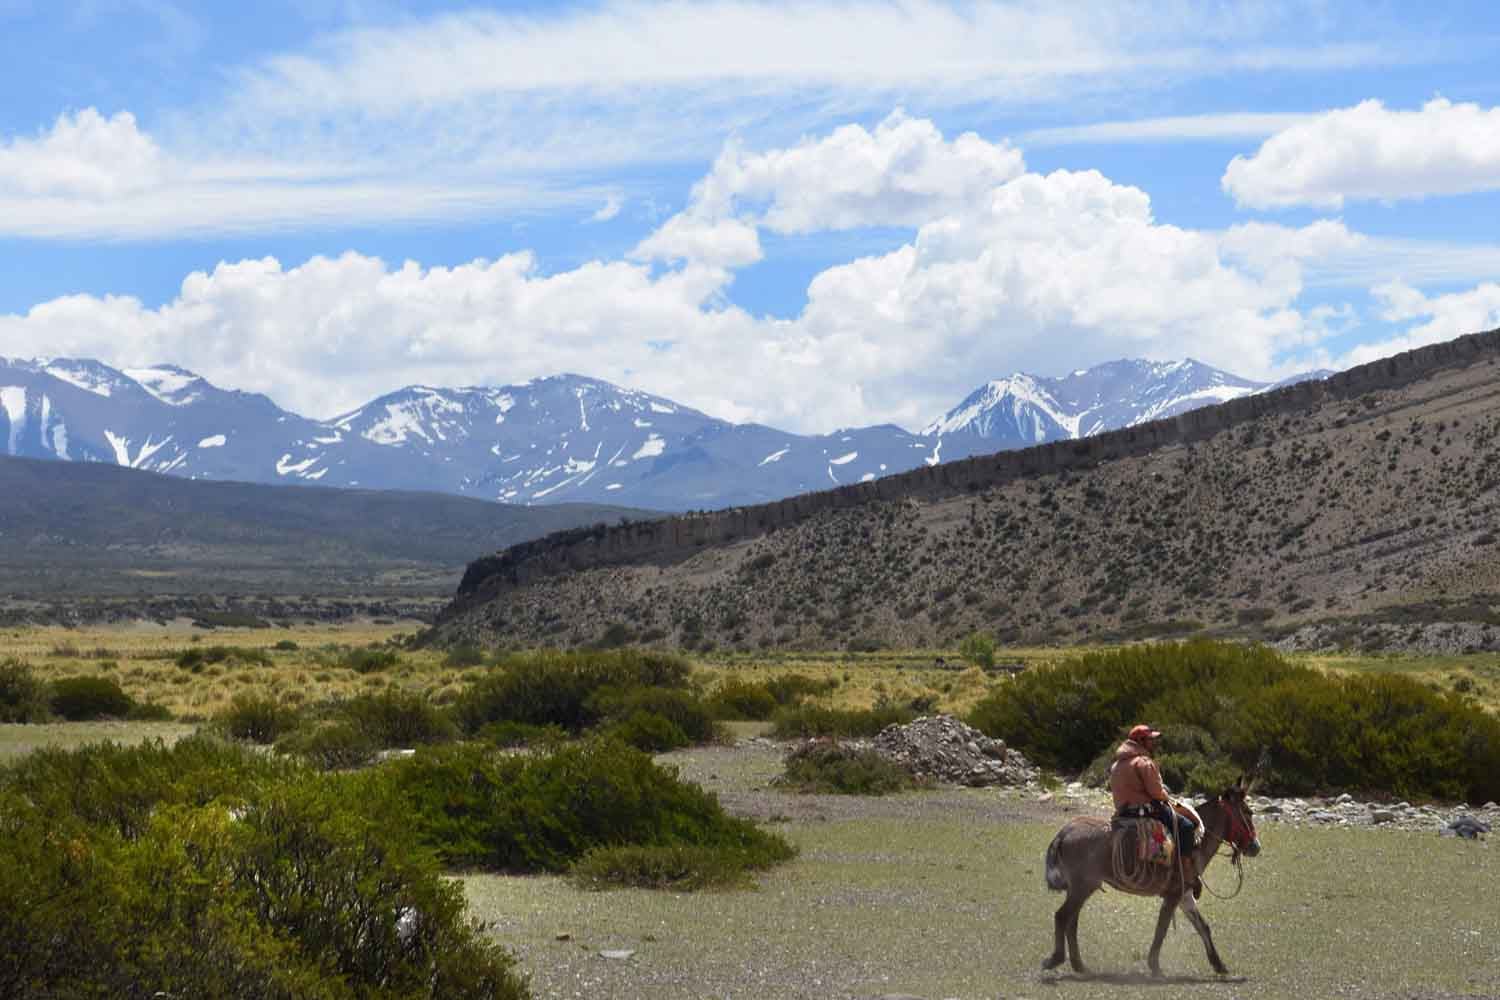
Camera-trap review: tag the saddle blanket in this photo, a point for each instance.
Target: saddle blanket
(1152, 842)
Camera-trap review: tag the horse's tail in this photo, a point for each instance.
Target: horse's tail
(1057, 881)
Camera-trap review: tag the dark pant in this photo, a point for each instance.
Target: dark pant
(1177, 824)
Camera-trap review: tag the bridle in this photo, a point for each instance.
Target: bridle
(1239, 835)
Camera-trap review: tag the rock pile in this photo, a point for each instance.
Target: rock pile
(941, 748)
(1345, 810)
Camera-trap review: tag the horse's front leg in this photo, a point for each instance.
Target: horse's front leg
(1163, 921)
(1201, 926)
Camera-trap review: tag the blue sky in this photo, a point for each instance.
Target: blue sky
(813, 215)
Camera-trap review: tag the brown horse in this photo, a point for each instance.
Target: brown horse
(1081, 858)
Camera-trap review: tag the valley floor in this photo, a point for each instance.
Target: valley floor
(939, 894)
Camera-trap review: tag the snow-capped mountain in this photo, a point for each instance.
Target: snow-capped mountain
(562, 438)
(1024, 410)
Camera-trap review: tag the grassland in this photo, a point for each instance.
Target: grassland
(934, 894)
(308, 665)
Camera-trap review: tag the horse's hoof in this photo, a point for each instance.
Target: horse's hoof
(1222, 970)
(1156, 972)
(1052, 961)
(1080, 968)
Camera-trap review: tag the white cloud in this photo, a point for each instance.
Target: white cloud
(1038, 272)
(89, 176)
(619, 82)
(1369, 152)
(82, 155)
(609, 210)
(902, 173)
(1446, 316)
(727, 243)
(1223, 126)
(974, 50)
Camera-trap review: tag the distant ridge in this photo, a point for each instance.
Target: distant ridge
(91, 528)
(1306, 412)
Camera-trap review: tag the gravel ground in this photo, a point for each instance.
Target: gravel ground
(939, 894)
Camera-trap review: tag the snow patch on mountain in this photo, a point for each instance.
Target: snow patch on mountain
(844, 459)
(654, 446)
(13, 402)
(121, 446)
(1193, 400)
(216, 441)
(775, 456)
(286, 467)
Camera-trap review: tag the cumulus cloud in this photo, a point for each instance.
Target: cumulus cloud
(83, 154)
(1370, 152)
(902, 173)
(1027, 271)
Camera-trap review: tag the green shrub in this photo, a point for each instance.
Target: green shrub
(23, 698)
(279, 889)
(789, 689)
(286, 645)
(678, 868)
(542, 812)
(978, 649)
(739, 699)
(256, 718)
(682, 708)
(1383, 734)
(463, 656)
(369, 660)
(832, 768)
(648, 731)
(109, 786)
(396, 718)
(803, 721)
(554, 688)
(331, 746)
(80, 699)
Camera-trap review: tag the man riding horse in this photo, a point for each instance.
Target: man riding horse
(1135, 782)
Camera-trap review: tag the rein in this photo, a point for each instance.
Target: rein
(1236, 824)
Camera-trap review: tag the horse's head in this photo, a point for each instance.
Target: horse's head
(1240, 819)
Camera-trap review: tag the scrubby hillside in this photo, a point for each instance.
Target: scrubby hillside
(1353, 506)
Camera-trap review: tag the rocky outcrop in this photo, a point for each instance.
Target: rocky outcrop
(674, 539)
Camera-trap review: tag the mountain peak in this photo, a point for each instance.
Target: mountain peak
(172, 385)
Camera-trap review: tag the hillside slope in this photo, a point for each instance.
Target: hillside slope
(1350, 498)
(92, 528)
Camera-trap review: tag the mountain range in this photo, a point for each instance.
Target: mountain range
(565, 438)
